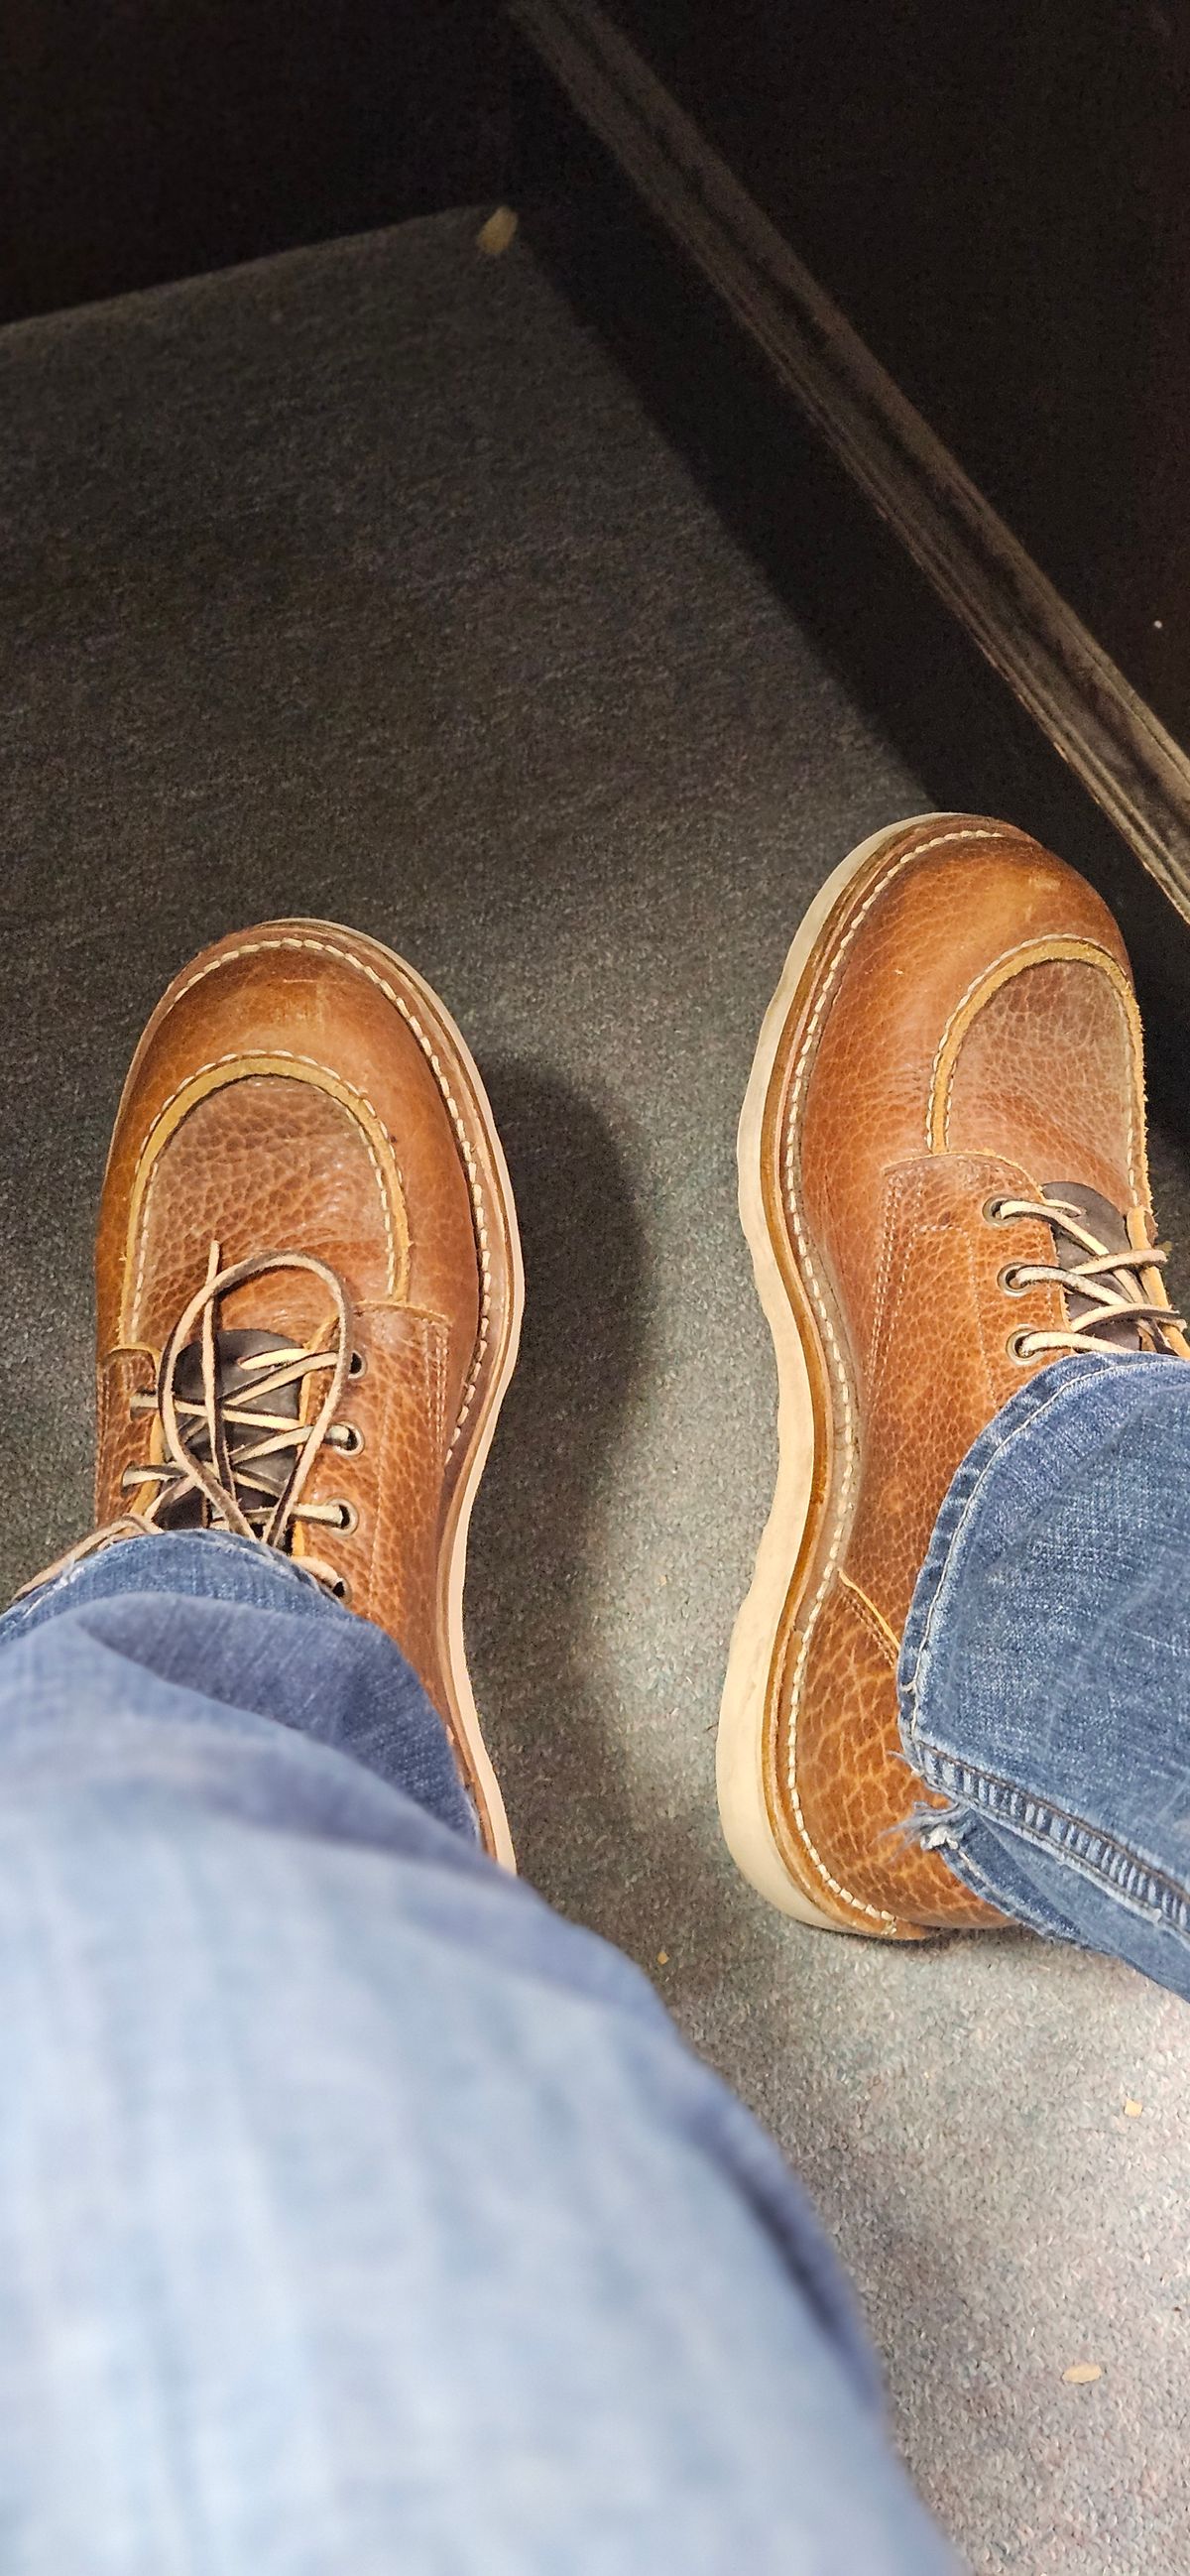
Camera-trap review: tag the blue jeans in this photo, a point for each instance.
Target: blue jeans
(1045, 1668)
(359, 2217)
(360, 2214)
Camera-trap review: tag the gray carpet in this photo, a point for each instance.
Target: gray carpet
(357, 583)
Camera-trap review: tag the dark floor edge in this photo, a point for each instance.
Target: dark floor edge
(1099, 724)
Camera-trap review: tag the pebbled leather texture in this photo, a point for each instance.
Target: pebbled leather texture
(964, 1028)
(298, 1089)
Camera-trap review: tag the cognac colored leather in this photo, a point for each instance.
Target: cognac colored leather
(956, 1032)
(299, 1091)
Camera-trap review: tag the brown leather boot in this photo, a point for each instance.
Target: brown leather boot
(309, 1286)
(944, 1186)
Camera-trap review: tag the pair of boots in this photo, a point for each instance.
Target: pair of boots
(310, 1292)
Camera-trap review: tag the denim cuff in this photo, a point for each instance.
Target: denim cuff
(217, 1614)
(1045, 1669)
(199, 1565)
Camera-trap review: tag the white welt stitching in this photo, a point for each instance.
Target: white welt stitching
(327, 948)
(284, 1055)
(943, 840)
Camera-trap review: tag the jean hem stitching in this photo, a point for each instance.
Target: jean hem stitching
(1018, 1914)
(1120, 1871)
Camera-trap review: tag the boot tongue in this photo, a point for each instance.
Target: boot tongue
(1107, 1225)
(236, 1385)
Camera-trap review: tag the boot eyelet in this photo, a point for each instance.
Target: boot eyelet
(340, 1590)
(358, 1366)
(1015, 1347)
(348, 1517)
(993, 1212)
(352, 1441)
(1011, 1282)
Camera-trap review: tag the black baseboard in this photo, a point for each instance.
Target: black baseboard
(1080, 762)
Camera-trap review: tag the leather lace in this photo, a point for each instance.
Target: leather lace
(1120, 1286)
(243, 1427)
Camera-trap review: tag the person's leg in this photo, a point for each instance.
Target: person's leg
(1045, 1669)
(358, 2213)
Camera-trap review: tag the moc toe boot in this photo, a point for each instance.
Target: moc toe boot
(309, 1286)
(944, 1186)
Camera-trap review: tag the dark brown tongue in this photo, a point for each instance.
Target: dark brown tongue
(1107, 1225)
(237, 1385)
